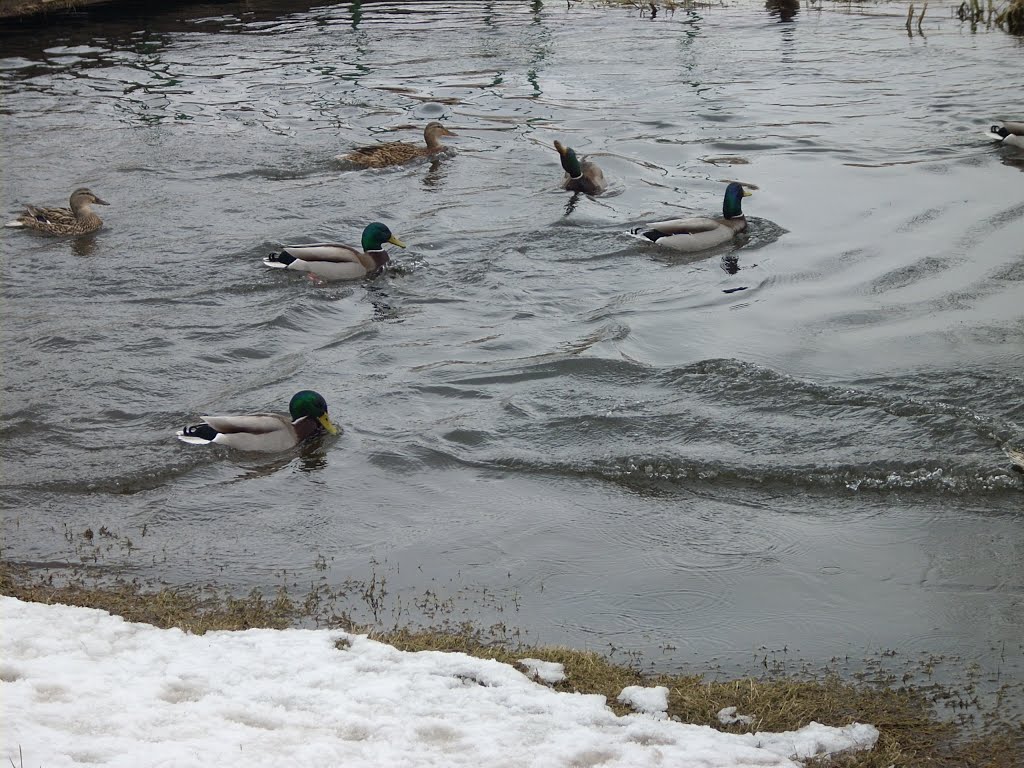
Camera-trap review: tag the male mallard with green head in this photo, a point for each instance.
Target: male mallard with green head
(79, 219)
(398, 152)
(580, 176)
(265, 432)
(332, 261)
(700, 233)
(1008, 133)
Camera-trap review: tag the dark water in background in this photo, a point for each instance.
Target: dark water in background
(545, 420)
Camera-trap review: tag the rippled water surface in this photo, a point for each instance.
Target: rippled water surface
(794, 441)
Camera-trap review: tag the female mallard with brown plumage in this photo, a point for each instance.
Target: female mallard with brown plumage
(699, 233)
(79, 219)
(398, 152)
(580, 176)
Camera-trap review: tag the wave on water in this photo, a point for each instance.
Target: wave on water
(723, 422)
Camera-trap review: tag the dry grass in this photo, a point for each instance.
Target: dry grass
(912, 736)
(190, 610)
(1011, 18)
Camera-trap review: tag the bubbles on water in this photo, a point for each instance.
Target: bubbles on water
(430, 110)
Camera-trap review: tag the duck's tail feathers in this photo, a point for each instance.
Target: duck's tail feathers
(647, 235)
(995, 133)
(279, 259)
(197, 434)
(16, 224)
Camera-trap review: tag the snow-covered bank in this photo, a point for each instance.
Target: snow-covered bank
(80, 687)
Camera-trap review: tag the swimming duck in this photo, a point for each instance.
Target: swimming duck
(585, 176)
(331, 261)
(699, 233)
(264, 431)
(1008, 133)
(398, 152)
(79, 219)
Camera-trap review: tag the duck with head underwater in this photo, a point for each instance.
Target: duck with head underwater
(700, 233)
(399, 152)
(79, 219)
(265, 432)
(333, 261)
(580, 176)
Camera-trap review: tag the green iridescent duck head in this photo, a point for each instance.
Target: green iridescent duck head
(311, 405)
(732, 206)
(376, 234)
(570, 163)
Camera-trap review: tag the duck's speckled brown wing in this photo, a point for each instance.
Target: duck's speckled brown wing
(36, 216)
(392, 153)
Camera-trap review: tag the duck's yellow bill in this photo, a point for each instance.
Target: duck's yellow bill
(395, 241)
(747, 192)
(325, 422)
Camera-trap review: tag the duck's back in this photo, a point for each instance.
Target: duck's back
(254, 432)
(59, 221)
(380, 155)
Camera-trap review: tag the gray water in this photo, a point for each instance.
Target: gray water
(791, 444)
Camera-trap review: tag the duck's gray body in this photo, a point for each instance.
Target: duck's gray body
(330, 261)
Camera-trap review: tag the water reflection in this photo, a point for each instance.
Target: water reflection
(313, 457)
(785, 10)
(435, 175)
(1014, 159)
(84, 245)
(540, 48)
(380, 299)
(570, 206)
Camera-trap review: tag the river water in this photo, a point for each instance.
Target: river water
(791, 445)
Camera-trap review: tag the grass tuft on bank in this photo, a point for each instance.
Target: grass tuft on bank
(911, 735)
(194, 611)
(1011, 18)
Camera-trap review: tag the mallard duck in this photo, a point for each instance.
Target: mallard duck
(1008, 133)
(79, 219)
(398, 152)
(331, 261)
(699, 233)
(585, 176)
(264, 431)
